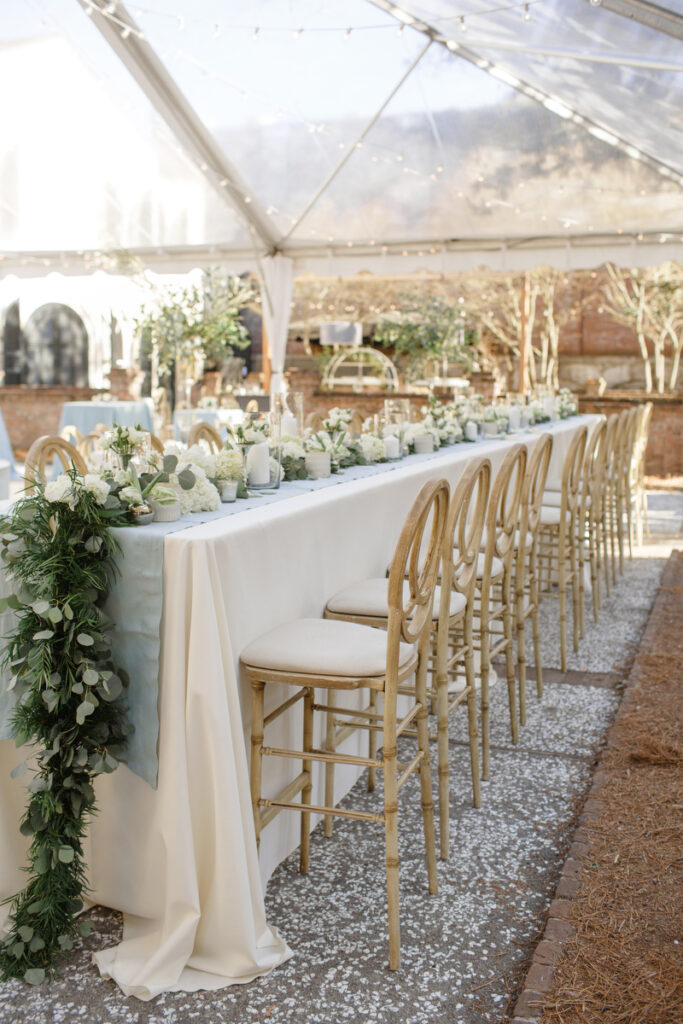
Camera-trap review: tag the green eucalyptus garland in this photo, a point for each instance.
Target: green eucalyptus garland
(59, 556)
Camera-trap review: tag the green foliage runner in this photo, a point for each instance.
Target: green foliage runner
(59, 556)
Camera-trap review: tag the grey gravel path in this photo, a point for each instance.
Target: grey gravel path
(461, 948)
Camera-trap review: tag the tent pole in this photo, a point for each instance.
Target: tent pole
(523, 376)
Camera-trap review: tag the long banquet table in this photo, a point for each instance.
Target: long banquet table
(180, 860)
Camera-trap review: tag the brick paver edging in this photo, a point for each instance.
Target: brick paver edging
(558, 930)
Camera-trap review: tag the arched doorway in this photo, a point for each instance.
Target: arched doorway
(56, 347)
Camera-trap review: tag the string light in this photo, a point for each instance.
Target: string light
(254, 34)
(463, 23)
(527, 13)
(347, 34)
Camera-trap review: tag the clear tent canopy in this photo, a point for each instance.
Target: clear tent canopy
(361, 134)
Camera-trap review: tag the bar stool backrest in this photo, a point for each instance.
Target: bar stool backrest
(502, 516)
(43, 449)
(464, 528)
(416, 560)
(593, 469)
(534, 485)
(571, 476)
(202, 431)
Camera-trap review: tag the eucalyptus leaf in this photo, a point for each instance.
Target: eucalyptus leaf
(85, 927)
(25, 933)
(68, 613)
(34, 975)
(186, 479)
(85, 640)
(54, 615)
(44, 634)
(35, 945)
(66, 854)
(91, 677)
(170, 463)
(20, 770)
(14, 602)
(84, 709)
(41, 607)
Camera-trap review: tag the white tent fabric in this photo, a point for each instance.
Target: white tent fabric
(440, 134)
(277, 285)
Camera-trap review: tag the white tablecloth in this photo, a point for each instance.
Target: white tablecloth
(180, 861)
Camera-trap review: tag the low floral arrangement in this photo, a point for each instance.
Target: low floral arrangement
(293, 458)
(58, 552)
(337, 420)
(125, 442)
(565, 404)
(251, 433)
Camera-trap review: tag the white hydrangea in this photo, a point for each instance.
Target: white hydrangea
(176, 448)
(199, 455)
(203, 497)
(62, 490)
(293, 448)
(229, 464)
(95, 485)
(372, 447)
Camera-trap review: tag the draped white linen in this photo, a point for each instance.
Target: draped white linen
(277, 284)
(180, 861)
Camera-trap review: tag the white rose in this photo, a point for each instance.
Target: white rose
(95, 485)
(62, 490)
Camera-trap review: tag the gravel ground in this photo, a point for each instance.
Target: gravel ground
(461, 949)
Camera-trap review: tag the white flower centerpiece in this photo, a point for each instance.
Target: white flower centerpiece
(125, 442)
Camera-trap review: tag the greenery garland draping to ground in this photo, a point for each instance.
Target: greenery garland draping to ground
(59, 557)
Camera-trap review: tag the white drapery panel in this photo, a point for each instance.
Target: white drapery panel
(277, 283)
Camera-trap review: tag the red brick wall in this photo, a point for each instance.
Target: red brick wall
(30, 412)
(664, 455)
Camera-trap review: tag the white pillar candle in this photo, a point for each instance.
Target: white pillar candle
(258, 464)
(471, 430)
(289, 426)
(318, 464)
(514, 417)
(549, 405)
(424, 444)
(391, 447)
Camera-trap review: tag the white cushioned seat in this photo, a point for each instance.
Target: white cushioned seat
(553, 499)
(550, 516)
(529, 540)
(324, 647)
(496, 565)
(369, 597)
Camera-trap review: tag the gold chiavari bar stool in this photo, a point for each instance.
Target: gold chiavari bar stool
(526, 565)
(88, 444)
(615, 493)
(589, 519)
(41, 451)
(314, 421)
(71, 434)
(345, 656)
(494, 594)
(156, 443)
(605, 512)
(637, 474)
(452, 645)
(201, 431)
(630, 439)
(558, 553)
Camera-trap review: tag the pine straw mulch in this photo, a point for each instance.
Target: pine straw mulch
(625, 965)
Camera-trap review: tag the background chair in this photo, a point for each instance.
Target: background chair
(558, 542)
(41, 451)
(201, 431)
(526, 565)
